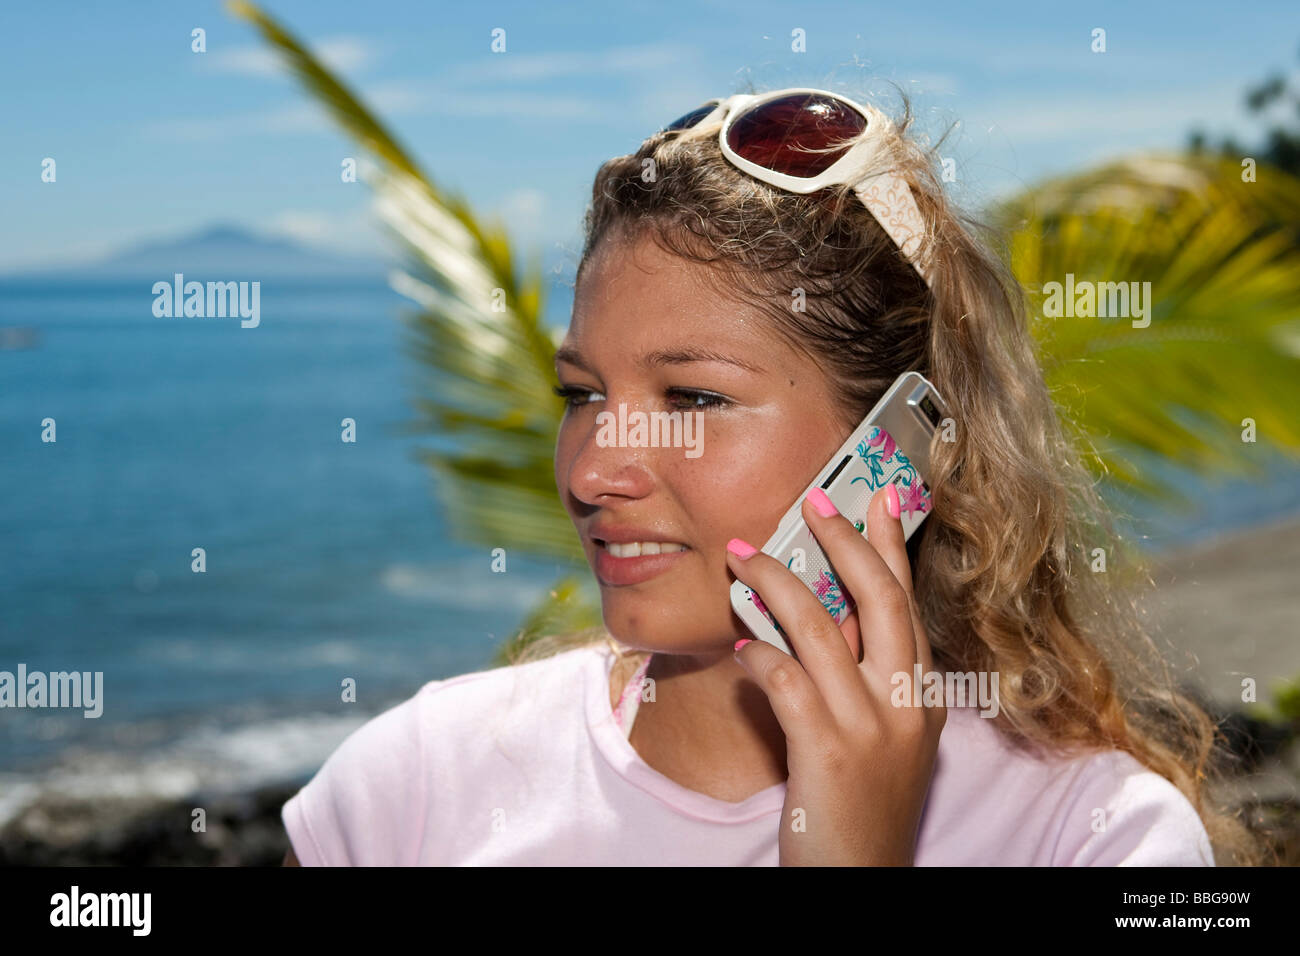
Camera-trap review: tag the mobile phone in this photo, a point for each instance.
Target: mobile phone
(890, 445)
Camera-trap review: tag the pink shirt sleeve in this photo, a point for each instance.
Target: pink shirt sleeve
(1127, 815)
(362, 808)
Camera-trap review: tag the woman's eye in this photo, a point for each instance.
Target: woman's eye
(574, 396)
(570, 393)
(704, 399)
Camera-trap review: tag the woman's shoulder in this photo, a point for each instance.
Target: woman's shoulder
(474, 701)
(370, 796)
(498, 686)
(1096, 808)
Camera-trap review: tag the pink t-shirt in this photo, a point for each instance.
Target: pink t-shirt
(529, 765)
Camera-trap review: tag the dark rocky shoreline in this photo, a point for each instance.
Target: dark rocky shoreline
(241, 830)
(246, 830)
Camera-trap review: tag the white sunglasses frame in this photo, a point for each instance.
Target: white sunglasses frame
(886, 195)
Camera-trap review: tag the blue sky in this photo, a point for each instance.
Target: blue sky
(153, 140)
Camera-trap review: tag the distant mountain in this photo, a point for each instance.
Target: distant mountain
(219, 253)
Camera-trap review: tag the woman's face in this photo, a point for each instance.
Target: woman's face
(636, 312)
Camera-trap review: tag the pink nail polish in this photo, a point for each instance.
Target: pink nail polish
(741, 548)
(822, 503)
(742, 642)
(891, 501)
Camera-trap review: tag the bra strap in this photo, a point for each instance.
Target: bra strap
(625, 710)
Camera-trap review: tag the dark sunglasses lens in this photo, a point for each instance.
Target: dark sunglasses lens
(691, 118)
(777, 133)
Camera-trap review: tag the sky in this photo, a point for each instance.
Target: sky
(152, 140)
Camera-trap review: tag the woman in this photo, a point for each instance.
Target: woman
(781, 314)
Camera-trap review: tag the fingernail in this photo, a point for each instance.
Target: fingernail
(891, 501)
(741, 548)
(822, 503)
(742, 642)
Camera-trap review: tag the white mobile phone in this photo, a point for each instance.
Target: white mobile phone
(890, 445)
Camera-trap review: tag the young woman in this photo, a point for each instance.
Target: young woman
(714, 280)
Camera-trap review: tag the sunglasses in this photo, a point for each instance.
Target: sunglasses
(802, 140)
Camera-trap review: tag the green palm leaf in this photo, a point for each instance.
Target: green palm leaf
(1224, 269)
(485, 355)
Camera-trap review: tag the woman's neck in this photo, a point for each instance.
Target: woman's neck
(708, 728)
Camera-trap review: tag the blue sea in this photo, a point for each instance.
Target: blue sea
(325, 560)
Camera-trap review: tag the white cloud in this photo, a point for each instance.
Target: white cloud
(644, 59)
(342, 53)
(514, 105)
(304, 226)
(524, 215)
(352, 231)
(1006, 145)
(391, 99)
(20, 257)
(1120, 119)
(932, 84)
(456, 92)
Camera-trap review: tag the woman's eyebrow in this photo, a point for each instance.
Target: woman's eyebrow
(681, 355)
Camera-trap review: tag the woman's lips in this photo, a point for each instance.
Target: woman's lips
(618, 572)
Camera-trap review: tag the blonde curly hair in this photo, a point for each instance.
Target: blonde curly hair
(1000, 571)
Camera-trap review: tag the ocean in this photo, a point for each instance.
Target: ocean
(324, 560)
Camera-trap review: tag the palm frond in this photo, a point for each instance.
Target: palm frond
(484, 353)
(568, 611)
(1224, 267)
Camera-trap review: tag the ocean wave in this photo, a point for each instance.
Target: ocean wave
(235, 656)
(204, 760)
(456, 585)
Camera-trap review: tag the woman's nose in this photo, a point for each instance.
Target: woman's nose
(602, 465)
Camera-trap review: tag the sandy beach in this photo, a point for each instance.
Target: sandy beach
(1225, 611)
(1230, 609)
